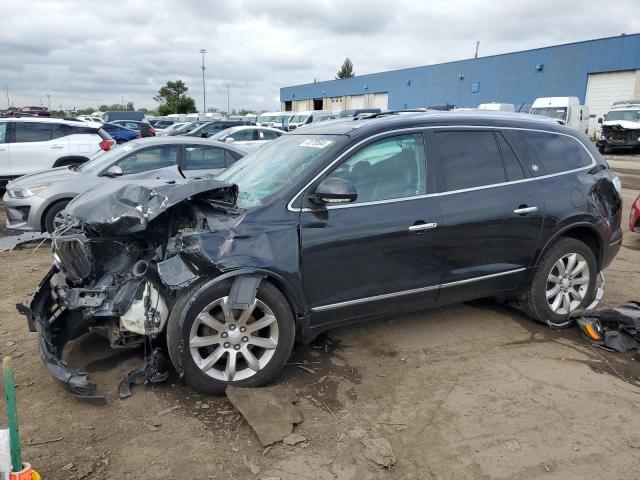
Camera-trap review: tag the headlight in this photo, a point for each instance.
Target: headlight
(26, 192)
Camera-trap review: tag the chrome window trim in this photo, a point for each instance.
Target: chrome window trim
(438, 194)
(385, 296)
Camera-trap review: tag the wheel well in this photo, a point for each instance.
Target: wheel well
(64, 161)
(287, 293)
(587, 236)
(46, 210)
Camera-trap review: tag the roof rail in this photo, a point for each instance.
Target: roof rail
(619, 103)
(391, 112)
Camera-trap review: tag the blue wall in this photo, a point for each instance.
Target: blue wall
(510, 77)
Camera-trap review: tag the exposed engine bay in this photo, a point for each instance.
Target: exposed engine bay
(119, 261)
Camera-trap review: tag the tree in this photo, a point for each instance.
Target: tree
(346, 70)
(117, 107)
(173, 99)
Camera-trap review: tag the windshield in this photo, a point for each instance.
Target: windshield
(266, 118)
(630, 115)
(559, 113)
(222, 134)
(102, 160)
(275, 166)
(190, 127)
(299, 118)
(346, 113)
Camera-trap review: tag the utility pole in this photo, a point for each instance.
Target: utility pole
(228, 85)
(122, 101)
(49, 100)
(204, 93)
(6, 86)
(477, 46)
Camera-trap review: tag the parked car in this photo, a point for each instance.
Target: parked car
(36, 202)
(28, 144)
(34, 111)
(267, 119)
(565, 110)
(248, 137)
(330, 224)
(171, 128)
(621, 126)
(354, 112)
(119, 133)
(144, 128)
(210, 128)
(89, 118)
(497, 107)
(187, 127)
(159, 124)
(300, 119)
(634, 218)
(123, 115)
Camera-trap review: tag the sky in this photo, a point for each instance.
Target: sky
(88, 53)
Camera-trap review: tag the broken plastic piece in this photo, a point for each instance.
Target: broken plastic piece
(154, 369)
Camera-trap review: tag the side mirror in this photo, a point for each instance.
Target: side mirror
(114, 171)
(335, 190)
(229, 139)
(600, 120)
(204, 135)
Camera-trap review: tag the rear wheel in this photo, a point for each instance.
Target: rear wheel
(55, 216)
(564, 282)
(219, 346)
(602, 149)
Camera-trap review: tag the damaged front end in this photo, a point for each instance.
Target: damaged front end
(118, 267)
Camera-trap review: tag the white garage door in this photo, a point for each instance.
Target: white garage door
(357, 101)
(605, 88)
(381, 101)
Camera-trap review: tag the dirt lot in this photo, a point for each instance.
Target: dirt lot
(468, 391)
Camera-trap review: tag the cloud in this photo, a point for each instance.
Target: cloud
(87, 55)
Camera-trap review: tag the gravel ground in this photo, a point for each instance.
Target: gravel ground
(472, 391)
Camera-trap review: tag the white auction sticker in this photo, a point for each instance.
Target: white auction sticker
(315, 143)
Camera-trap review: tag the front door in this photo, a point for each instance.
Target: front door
(491, 219)
(376, 254)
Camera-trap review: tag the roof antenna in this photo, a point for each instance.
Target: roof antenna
(477, 46)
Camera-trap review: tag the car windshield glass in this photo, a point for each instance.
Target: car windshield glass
(102, 160)
(275, 166)
(559, 113)
(346, 113)
(222, 134)
(299, 118)
(630, 115)
(266, 118)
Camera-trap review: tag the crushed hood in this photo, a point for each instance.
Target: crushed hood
(126, 206)
(629, 125)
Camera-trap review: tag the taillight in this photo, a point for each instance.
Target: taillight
(152, 130)
(106, 145)
(137, 134)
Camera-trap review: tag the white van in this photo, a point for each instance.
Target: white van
(300, 119)
(497, 107)
(267, 119)
(565, 110)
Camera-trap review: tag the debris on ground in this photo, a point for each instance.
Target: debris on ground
(8, 243)
(154, 369)
(268, 411)
(169, 410)
(294, 439)
(379, 451)
(512, 445)
(616, 328)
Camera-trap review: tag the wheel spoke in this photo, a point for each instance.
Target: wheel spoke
(211, 360)
(560, 266)
(581, 265)
(566, 302)
(228, 314)
(230, 369)
(571, 261)
(262, 342)
(556, 302)
(576, 294)
(553, 279)
(246, 313)
(260, 324)
(198, 342)
(580, 281)
(211, 321)
(251, 360)
(553, 292)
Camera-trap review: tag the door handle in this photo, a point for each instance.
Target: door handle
(422, 226)
(57, 146)
(524, 210)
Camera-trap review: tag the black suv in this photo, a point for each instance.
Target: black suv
(331, 224)
(211, 128)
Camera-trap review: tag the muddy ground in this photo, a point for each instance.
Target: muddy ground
(472, 391)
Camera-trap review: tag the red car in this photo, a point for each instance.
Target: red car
(35, 111)
(634, 218)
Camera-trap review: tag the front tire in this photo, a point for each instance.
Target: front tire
(217, 346)
(602, 150)
(54, 216)
(564, 282)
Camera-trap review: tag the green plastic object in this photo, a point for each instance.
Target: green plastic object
(12, 413)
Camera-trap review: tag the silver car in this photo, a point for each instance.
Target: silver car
(248, 137)
(35, 202)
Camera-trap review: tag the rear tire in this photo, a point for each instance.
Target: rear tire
(53, 217)
(564, 282)
(209, 338)
(602, 150)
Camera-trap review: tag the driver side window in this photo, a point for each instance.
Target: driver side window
(394, 167)
(149, 159)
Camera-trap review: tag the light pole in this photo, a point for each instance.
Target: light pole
(6, 86)
(49, 100)
(204, 93)
(228, 85)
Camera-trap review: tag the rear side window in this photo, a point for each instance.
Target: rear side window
(511, 164)
(547, 152)
(32, 132)
(468, 159)
(268, 135)
(201, 157)
(59, 130)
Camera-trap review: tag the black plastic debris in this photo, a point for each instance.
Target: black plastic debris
(154, 369)
(616, 328)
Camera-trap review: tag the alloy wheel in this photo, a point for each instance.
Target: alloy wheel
(567, 283)
(233, 344)
(58, 219)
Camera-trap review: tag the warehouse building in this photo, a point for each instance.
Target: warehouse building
(596, 71)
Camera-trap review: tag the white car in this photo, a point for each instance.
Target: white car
(30, 144)
(247, 137)
(163, 132)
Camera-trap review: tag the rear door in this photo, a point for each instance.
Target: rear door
(491, 217)
(202, 160)
(244, 138)
(32, 148)
(5, 159)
